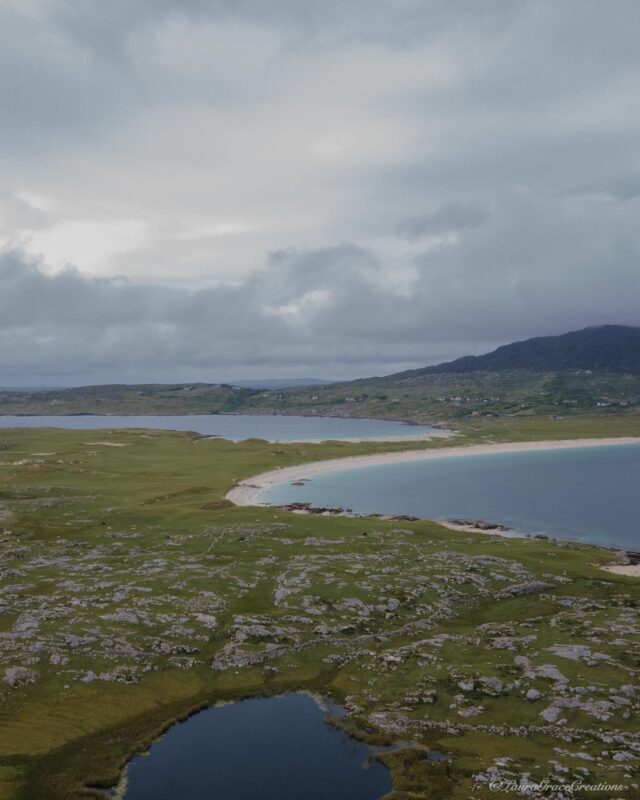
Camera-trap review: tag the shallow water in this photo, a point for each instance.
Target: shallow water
(591, 494)
(234, 427)
(275, 748)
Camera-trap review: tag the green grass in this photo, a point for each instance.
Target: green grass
(130, 549)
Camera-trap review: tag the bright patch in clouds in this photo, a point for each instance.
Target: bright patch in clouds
(91, 245)
(307, 303)
(205, 231)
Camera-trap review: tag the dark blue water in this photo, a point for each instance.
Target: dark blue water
(234, 427)
(267, 749)
(591, 494)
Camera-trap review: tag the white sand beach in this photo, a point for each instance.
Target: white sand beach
(416, 437)
(623, 569)
(444, 433)
(247, 492)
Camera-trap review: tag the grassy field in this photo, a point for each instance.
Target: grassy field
(132, 594)
(192, 398)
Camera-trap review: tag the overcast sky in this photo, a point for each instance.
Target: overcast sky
(216, 189)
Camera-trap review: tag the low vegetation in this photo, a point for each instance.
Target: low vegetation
(132, 594)
(447, 398)
(451, 397)
(582, 373)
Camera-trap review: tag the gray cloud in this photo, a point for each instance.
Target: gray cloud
(328, 311)
(449, 218)
(626, 188)
(17, 214)
(411, 167)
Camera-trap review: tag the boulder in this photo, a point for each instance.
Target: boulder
(19, 676)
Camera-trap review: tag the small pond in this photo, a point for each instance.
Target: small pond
(277, 748)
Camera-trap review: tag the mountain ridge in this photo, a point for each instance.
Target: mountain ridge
(605, 348)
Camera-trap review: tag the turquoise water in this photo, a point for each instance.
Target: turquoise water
(236, 427)
(275, 748)
(590, 494)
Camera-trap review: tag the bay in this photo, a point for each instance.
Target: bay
(233, 426)
(589, 494)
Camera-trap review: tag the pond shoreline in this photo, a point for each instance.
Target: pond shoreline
(274, 732)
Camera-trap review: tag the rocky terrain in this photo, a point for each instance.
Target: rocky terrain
(518, 659)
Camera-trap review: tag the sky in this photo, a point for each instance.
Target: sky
(224, 189)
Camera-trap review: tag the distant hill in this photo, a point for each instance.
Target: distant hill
(607, 348)
(595, 371)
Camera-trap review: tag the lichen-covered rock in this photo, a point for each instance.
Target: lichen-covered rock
(519, 589)
(19, 676)
(492, 686)
(550, 714)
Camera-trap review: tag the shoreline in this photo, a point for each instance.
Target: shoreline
(417, 437)
(247, 491)
(439, 426)
(498, 531)
(435, 432)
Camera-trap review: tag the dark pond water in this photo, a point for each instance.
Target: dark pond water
(591, 494)
(264, 749)
(233, 427)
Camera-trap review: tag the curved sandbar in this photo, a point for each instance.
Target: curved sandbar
(415, 437)
(246, 492)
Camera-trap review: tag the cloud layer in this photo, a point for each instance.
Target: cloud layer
(206, 190)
